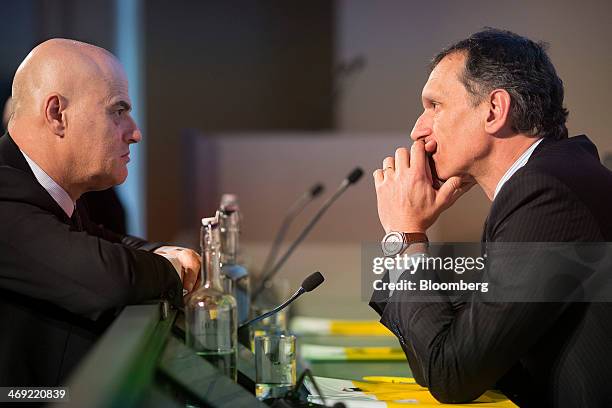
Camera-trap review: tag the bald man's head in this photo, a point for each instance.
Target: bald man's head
(71, 102)
(62, 66)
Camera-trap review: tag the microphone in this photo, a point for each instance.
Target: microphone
(352, 178)
(293, 212)
(316, 190)
(309, 284)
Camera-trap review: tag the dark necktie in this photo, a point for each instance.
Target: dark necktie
(76, 220)
(484, 240)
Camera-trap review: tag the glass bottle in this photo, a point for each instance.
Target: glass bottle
(210, 314)
(235, 276)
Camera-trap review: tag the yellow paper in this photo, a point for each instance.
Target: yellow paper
(358, 328)
(394, 380)
(375, 353)
(391, 392)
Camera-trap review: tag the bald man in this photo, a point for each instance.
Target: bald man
(63, 278)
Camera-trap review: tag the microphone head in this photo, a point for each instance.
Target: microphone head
(355, 175)
(316, 190)
(312, 281)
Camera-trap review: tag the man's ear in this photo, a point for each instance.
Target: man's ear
(55, 113)
(499, 111)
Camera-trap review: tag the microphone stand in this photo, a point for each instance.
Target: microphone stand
(294, 210)
(297, 294)
(309, 284)
(266, 278)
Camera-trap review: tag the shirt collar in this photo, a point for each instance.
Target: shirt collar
(61, 197)
(521, 161)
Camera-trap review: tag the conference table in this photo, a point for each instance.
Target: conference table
(372, 353)
(142, 361)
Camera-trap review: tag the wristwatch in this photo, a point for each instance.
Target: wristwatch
(394, 242)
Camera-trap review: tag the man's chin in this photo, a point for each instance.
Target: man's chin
(116, 179)
(121, 178)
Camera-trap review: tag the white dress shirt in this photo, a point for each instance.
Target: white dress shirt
(60, 195)
(520, 162)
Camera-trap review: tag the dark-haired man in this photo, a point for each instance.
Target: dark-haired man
(493, 115)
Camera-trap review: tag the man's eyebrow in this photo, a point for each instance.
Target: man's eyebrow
(432, 95)
(123, 104)
(428, 98)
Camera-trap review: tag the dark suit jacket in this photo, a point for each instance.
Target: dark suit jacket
(62, 281)
(539, 354)
(104, 208)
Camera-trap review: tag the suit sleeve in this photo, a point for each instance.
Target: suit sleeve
(42, 258)
(112, 236)
(463, 351)
(378, 302)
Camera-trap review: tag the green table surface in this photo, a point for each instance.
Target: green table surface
(354, 370)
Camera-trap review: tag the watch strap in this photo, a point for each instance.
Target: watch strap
(414, 237)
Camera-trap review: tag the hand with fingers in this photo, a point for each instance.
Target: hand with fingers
(408, 197)
(187, 264)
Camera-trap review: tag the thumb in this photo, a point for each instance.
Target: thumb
(446, 194)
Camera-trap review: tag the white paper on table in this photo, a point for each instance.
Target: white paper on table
(310, 325)
(318, 352)
(336, 390)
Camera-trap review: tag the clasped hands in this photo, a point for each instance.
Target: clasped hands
(408, 198)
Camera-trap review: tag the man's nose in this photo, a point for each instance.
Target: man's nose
(133, 134)
(422, 127)
(136, 136)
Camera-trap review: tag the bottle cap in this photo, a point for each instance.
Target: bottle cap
(209, 221)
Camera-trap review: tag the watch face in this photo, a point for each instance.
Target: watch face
(392, 243)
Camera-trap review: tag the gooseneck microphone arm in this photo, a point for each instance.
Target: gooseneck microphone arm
(351, 179)
(293, 212)
(277, 309)
(309, 284)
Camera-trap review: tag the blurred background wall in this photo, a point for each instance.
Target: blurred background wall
(397, 38)
(334, 77)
